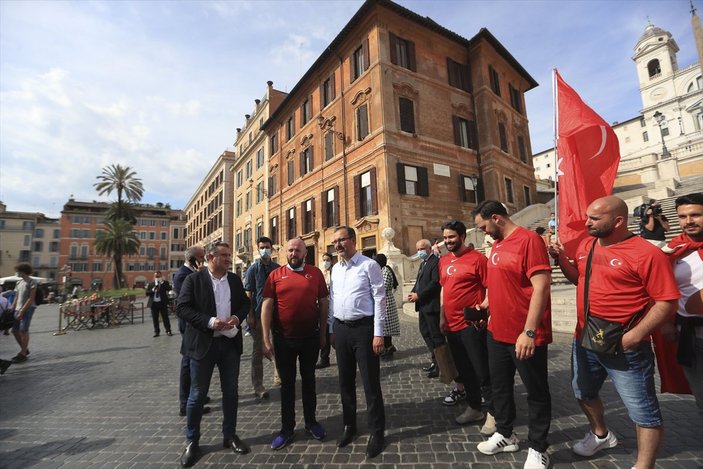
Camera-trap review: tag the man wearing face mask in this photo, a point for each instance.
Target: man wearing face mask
(425, 295)
(325, 350)
(254, 286)
(295, 309)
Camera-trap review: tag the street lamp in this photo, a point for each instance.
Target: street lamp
(661, 120)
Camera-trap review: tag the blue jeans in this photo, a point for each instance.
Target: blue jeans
(223, 354)
(632, 374)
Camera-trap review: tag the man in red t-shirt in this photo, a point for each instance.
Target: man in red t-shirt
(296, 301)
(519, 329)
(630, 281)
(462, 275)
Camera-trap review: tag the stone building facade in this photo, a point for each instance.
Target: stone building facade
(400, 123)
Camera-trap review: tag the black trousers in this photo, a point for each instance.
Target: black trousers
(430, 331)
(468, 347)
(502, 364)
(287, 351)
(353, 345)
(160, 307)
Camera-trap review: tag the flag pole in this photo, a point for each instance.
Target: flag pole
(555, 125)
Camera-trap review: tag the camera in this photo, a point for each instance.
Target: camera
(656, 209)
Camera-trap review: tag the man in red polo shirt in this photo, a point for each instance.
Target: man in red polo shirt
(631, 281)
(519, 329)
(295, 306)
(463, 275)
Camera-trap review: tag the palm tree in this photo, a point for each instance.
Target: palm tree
(125, 182)
(116, 241)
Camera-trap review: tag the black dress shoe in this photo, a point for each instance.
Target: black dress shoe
(4, 365)
(431, 367)
(156, 334)
(190, 454)
(348, 434)
(375, 445)
(237, 445)
(322, 364)
(433, 374)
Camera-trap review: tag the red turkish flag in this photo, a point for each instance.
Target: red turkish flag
(588, 155)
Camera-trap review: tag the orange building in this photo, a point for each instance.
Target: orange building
(399, 123)
(80, 223)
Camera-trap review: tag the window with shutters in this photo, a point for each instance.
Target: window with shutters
(259, 228)
(407, 115)
(503, 137)
(274, 143)
(515, 98)
(290, 128)
(239, 206)
(329, 145)
(306, 111)
(509, 197)
(412, 180)
(327, 91)
(259, 192)
(522, 152)
(259, 158)
(291, 223)
(247, 201)
(306, 161)
(273, 184)
(362, 122)
(468, 189)
(240, 178)
(402, 52)
(238, 239)
(248, 169)
(365, 201)
(495, 80)
(645, 136)
(308, 209)
(526, 194)
(330, 214)
(359, 60)
(458, 75)
(461, 131)
(291, 171)
(273, 230)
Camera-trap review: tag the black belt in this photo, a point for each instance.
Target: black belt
(365, 321)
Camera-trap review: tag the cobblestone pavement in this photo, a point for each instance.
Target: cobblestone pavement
(107, 398)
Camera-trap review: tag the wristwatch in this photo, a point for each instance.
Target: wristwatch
(529, 333)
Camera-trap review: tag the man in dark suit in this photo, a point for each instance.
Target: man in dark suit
(195, 259)
(157, 291)
(425, 295)
(213, 304)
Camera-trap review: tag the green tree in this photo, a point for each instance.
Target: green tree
(124, 181)
(116, 241)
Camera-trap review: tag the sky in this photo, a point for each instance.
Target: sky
(161, 86)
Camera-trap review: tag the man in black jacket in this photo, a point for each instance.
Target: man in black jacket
(425, 295)
(213, 304)
(157, 291)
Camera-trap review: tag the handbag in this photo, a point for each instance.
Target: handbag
(7, 319)
(445, 362)
(600, 335)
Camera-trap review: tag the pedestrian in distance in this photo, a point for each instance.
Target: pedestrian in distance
(392, 324)
(295, 309)
(157, 293)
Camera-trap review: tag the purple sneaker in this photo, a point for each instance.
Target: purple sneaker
(281, 441)
(316, 431)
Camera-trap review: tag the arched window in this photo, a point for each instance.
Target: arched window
(654, 68)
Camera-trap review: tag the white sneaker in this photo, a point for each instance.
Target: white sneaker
(591, 444)
(536, 460)
(469, 415)
(489, 426)
(497, 443)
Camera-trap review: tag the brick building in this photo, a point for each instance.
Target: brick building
(399, 123)
(81, 221)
